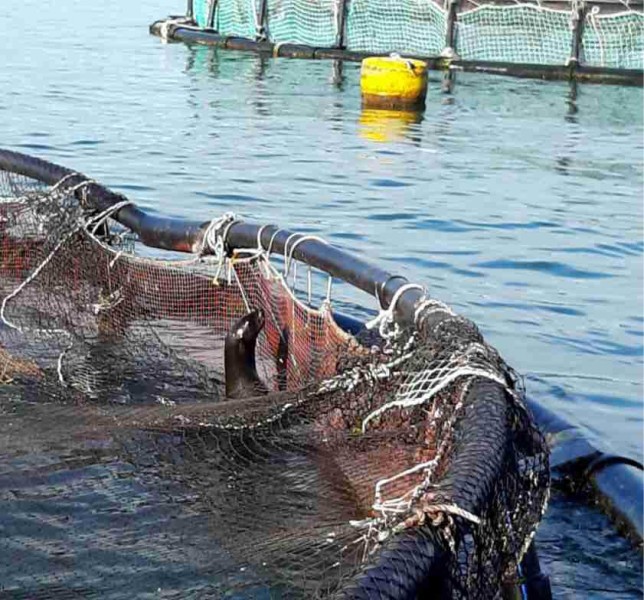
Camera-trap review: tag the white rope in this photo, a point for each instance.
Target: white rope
(288, 252)
(505, 7)
(444, 382)
(54, 189)
(59, 367)
(62, 181)
(241, 288)
(260, 231)
(164, 29)
(272, 240)
(326, 303)
(378, 504)
(80, 225)
(304, 238)
(287, 257)
(99, 219)
(427, 307)
(235, 219)
(213, 239)
(386, 317)
(592, 17)
(116, 257)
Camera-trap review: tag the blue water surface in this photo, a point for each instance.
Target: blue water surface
(517, 202)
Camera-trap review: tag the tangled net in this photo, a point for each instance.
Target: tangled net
(370, 455)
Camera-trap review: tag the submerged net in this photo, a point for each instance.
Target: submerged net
(513, 32)
(370, 455)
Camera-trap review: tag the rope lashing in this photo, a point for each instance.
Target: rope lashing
(427, 307)
(385, 318)
(288, 252)
(214, 238)
(99, 219)
(167, 27)
(435, 513)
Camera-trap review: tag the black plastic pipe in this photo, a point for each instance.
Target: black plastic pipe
(452, 17)
(617, 482)
(577, 35)
(210, 19)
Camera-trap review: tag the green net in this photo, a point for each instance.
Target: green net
(311, 22)
(406, 26)
(517, 33)
(236, 17)
(614, 40)
(200, 10)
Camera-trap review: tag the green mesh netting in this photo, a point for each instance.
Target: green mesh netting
(236, 17)
(311, 22)
(518, 34)
(407, 26)
(200, 9)
(614, 40)
(521, 33)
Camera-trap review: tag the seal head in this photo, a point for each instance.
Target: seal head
(242, 380)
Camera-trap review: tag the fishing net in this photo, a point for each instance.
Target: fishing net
(390, 458)
(403, 26)
(237, 18)
(312, 22)
(615, 40)
(524, 33)
(528, 34)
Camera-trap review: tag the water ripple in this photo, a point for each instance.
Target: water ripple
(544, 266)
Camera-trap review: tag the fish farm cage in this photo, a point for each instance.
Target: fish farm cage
(598, 40)
(394, 459)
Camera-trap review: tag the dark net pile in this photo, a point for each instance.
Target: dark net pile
(303, 492)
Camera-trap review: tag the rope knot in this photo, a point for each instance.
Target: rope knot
(385, 321)
(214, 238)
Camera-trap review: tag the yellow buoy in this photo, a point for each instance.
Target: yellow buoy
(393, 82)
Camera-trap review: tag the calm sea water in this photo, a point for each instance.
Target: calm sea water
(516, 204)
